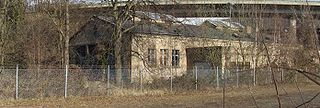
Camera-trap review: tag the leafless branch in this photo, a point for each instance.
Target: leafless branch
(54, 21)
(305, 73)
(285, 91)
(309, 100)
(300, 93)
(252, 97)
(273, 76)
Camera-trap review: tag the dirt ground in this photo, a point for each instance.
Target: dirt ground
(259, 96)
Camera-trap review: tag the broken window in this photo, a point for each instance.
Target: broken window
(164, 57)
(175, 58)
(152, 56)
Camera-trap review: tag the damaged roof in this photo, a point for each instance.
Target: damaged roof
(154, 28)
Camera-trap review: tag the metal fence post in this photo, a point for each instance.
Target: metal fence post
(171, 80)
(317, 70)
(66, 82)
(141, 86)
(217, 72)
(176, 72)
(122, 79)
(103, 78)
(108, 79)
(282, 76)
(296, 76)
(196, 72)
(270, 75)
(307, 80)
(237, 76)
(224, 86)
(254, 76)
(17, 82)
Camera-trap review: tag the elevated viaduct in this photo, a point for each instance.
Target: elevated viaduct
(222, 8)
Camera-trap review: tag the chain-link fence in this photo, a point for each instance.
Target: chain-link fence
(41, 83)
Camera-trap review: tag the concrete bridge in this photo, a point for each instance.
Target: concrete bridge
(223, 8)
(290, 10)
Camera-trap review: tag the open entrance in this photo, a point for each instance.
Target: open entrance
(204, 58)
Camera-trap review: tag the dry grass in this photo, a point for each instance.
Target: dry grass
(135, 92)
(264, 95)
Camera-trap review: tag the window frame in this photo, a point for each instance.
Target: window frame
(175, 60)
(164, 57)
(152, 57)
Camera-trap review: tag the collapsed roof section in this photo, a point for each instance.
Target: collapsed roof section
(160, 24)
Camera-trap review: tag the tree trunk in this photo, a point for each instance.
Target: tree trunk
(66, 51)
(118, 63)
(117, 35)
(117, 52)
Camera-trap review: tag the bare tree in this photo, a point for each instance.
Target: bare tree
(12, 19)
(66, 37)
(122, 13)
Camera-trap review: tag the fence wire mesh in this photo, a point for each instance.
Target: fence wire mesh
(41, 83)
(7, 82)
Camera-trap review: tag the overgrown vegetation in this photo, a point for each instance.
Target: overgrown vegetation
(36, 36)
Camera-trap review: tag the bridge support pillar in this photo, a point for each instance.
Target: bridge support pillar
(293, 30)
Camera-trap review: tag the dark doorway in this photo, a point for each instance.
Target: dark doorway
(204, 58)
